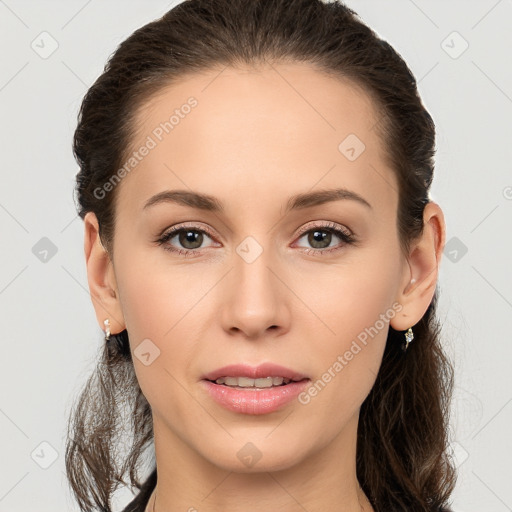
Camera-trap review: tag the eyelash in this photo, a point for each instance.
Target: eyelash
(346, 237)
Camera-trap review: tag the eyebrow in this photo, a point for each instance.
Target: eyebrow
(212, 204)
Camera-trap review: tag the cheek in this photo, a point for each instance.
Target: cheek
(158, 306)
(353, 305)
(156, 303)
(347, 299)
(156, 298)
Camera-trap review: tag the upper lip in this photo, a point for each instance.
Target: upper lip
(254, 372)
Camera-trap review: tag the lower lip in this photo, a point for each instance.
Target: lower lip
(253, 400)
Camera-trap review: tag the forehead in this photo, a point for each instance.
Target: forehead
(283, 126)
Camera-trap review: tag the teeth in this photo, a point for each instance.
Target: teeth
(246, 382)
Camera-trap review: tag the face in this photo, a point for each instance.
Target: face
(309, 284)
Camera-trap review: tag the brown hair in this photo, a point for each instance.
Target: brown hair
(402, 460)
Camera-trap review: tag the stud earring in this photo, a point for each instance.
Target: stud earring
(106, 322)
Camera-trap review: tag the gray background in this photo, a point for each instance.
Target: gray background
(50, 337)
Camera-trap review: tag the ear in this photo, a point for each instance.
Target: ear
(101, 278)
(421, 270)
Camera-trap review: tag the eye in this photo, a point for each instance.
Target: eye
(321, 236)
(190, 238)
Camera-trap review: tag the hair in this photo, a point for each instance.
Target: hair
(402, 456)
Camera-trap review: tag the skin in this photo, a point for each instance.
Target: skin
(256, 138)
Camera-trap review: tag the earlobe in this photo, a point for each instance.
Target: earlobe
(101, 277)
(422, 270)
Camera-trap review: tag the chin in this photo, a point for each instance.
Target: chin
(258, 455)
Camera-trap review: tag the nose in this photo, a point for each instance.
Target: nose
(255, 305)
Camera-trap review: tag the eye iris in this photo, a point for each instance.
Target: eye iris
(188, 236)
(323, 235)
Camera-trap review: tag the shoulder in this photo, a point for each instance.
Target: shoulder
(139, 503)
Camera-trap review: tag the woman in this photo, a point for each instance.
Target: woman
(263, 255)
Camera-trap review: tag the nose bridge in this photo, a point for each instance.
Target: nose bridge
(255, 301)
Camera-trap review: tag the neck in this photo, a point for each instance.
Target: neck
(324, 480)
(364, 504)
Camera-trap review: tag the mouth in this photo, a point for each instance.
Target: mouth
(254, 389)
(259, 396)
(264, 375)
(247, 383)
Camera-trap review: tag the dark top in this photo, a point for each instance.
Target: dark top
(140, 501)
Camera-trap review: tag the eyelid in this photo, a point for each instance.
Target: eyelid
(304, 229)
(194, 226)
(324, 225)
